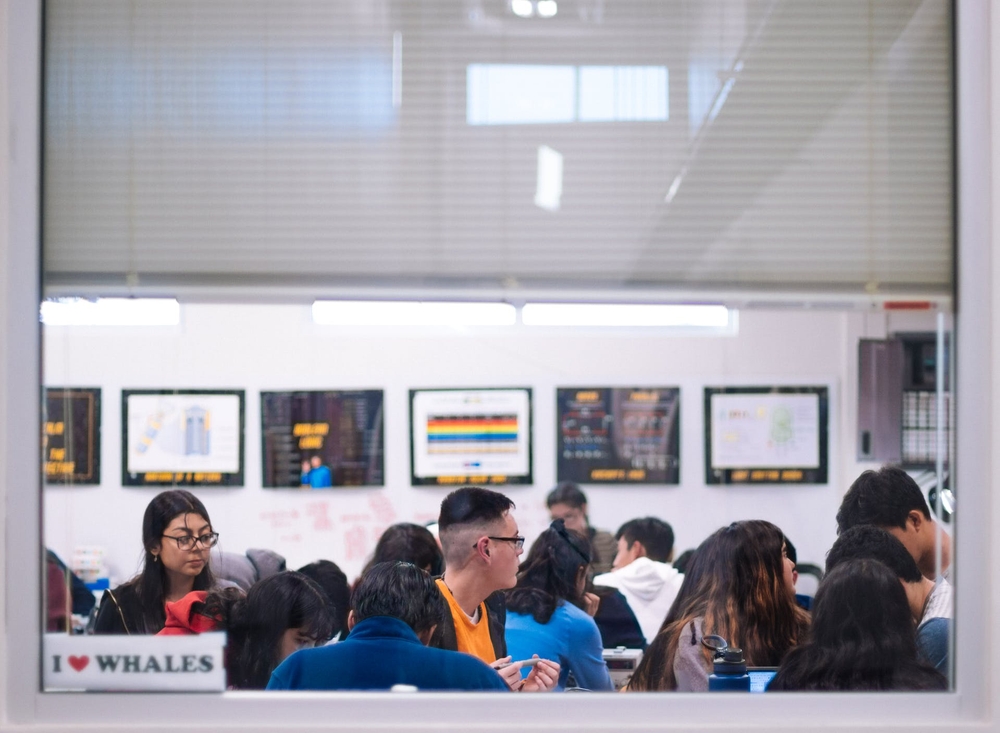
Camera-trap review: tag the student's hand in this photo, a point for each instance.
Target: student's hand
(511, 673)
(544, 676)
(590, 603)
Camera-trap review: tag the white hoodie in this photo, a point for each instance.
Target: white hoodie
(649, 587)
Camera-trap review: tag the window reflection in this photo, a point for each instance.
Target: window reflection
(788, 192)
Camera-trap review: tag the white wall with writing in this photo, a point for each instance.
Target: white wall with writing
(277, 347)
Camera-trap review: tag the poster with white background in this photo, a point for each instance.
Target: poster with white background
(765, 430)
(464, 433)
(184, 437)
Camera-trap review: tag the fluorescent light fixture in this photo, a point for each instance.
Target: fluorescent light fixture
(411, 313)
(522, 8)
(547, 8)
(616, 314)
(111, 312)
(549, 186)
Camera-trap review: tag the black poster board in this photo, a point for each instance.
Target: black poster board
(182, 437)
(618, 435)
(766, 435)
(322, 439)
(72, 436)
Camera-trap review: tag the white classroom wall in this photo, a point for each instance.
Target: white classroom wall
(277, 347)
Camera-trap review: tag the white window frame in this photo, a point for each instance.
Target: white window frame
(24, 707)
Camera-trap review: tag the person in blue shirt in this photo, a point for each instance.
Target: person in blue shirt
(315, 474)
(394, 610)
(550, 614)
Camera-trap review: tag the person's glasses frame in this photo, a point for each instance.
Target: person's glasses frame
(518, 541)
(188, 541)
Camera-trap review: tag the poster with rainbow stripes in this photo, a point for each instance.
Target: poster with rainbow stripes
(470, 436)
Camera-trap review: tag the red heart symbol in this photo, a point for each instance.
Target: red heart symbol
(78, 663)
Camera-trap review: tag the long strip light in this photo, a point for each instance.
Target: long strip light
(111, 312)
(411, 313)
(715, 317)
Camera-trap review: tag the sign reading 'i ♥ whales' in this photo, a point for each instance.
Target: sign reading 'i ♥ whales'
(179, 663)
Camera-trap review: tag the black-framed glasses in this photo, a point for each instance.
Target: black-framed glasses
(187, 542)
(518, 542)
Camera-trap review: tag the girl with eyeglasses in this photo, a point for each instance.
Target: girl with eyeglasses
(550, 614)
(177, 536)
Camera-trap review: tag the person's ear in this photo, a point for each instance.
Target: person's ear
(483, 546)
(351, 620)
(917, 519)
(638, 549)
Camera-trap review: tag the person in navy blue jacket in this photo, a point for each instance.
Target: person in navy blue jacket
(394, 610)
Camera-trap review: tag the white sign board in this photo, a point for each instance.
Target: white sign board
(471, 432)
(765, 430)
(135, 663)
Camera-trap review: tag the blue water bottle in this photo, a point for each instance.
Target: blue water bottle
(730, 672)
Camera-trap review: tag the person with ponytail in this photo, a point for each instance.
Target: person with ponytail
(177, 535)
(550, 614)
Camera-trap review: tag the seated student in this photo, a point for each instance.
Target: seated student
(333, 581)
(394, 610)
(568, 503)
(889, 498)
(280, 615)
(177, 536)
(861, 637)
(643, 572)
(549, 612)
(481, 550)
(738, 586)
(410, 543)
(930, 603)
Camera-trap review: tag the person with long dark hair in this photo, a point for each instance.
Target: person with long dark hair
(738, 586)
(861, 638)
(549, 613)
(177, 535)
(279, 615)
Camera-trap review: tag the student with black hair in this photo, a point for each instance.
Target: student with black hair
(395, 608)
(930, 603)
(333, 581)
(643, 573)
(279, 615)
(177, 535)
(568, 503)
(889, 498)
(861, 638)
(549, 612)
(481, 548)
(406, 542)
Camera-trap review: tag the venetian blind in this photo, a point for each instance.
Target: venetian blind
(612, 147)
